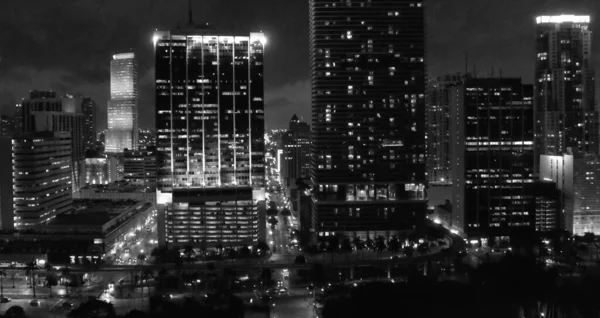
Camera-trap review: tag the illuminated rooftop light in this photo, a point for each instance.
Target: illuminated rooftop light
(563, 18)
(155, 39)
(123, 56)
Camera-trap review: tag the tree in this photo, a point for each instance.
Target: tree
(13, 274)
(333, 245)
(380, 245)
(262, 246)
(145, 276)
(358, 244)
(2, 275)
(51, 280)
(286, 212)
(346, 246)
(245, 251)
(188, 250)
(394, 245)
(271, 212)
(30, 271)
(15, 312)
(141, 258)
(273, 221)
(370, 243)
(66, 272)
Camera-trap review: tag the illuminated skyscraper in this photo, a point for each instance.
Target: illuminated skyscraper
(566, 114)
(122, 108)
(368, 108)
(210, 136)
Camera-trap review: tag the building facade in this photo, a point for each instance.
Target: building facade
(6, 185)
(45, 111)
(140, 167)
(210, 136)
(368, 108)
(491, 129)
(122, 108)
(296, 152)
(6, 125)
(566, 115)
(41, 177)
(89, 114)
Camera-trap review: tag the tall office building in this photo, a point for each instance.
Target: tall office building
(123, 104)
(566, 114)
(139, 167)
(89, 112)
(210, 137)
(491, 129)
(45, 111)
(368, 106)
(296, 152)
(41, 177)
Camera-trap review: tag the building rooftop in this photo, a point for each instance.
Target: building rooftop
(94, 213)
(563, 18)
(118, 186)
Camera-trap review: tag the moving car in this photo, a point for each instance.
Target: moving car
(4, 300)
(67, 304)
(34, 302)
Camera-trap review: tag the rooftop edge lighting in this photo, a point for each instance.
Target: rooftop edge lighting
(563, 18)
(123, 56)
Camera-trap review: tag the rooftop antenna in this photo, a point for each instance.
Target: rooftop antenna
(190, 12)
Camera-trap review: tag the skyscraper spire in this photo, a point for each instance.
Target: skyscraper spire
(191, 22)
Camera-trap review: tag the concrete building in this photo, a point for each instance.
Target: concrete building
(296, 152)
(210, 137)
(96, 171)
(120, 190)
(90, 230)
(45, 111)
(140, 167)
(41, 178)
(368, 107)
(122, 108)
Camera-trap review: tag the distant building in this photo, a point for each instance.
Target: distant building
(210, 137)
(548, 206)
(41, 177)
(89, 112)
(140, 167)
(491, 129)
(18, 119)
(368, 108)
(6, 184)
(119, 190)
(96, 171)
(45, 111)
(122, 108)
(296, 152)
(6, 125)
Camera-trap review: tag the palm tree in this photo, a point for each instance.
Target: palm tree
(30, 271)
(141, 258)
(2, 275)
(380, 245)
(13, 274)
(144, 277)
(394, 244)
(65, 274)
(189, 253)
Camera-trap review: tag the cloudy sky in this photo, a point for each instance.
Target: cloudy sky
(66, 45)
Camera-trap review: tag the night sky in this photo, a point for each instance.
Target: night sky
(66, 45)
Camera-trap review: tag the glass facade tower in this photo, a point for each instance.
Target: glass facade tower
(368, 108)
(122, 109)
(210, 136)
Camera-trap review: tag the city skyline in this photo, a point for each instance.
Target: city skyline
(286, 84)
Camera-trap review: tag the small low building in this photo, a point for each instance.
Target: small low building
(90, 231)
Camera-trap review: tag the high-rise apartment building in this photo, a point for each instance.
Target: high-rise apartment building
(296, 152)
(123, 104)
(6, 184)
(438, 131)
(368, 108)
(41, 177)
(566, 120)
(45, 111)
(491, 129)
(210, 137)
(566, 115)
(89, 113)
